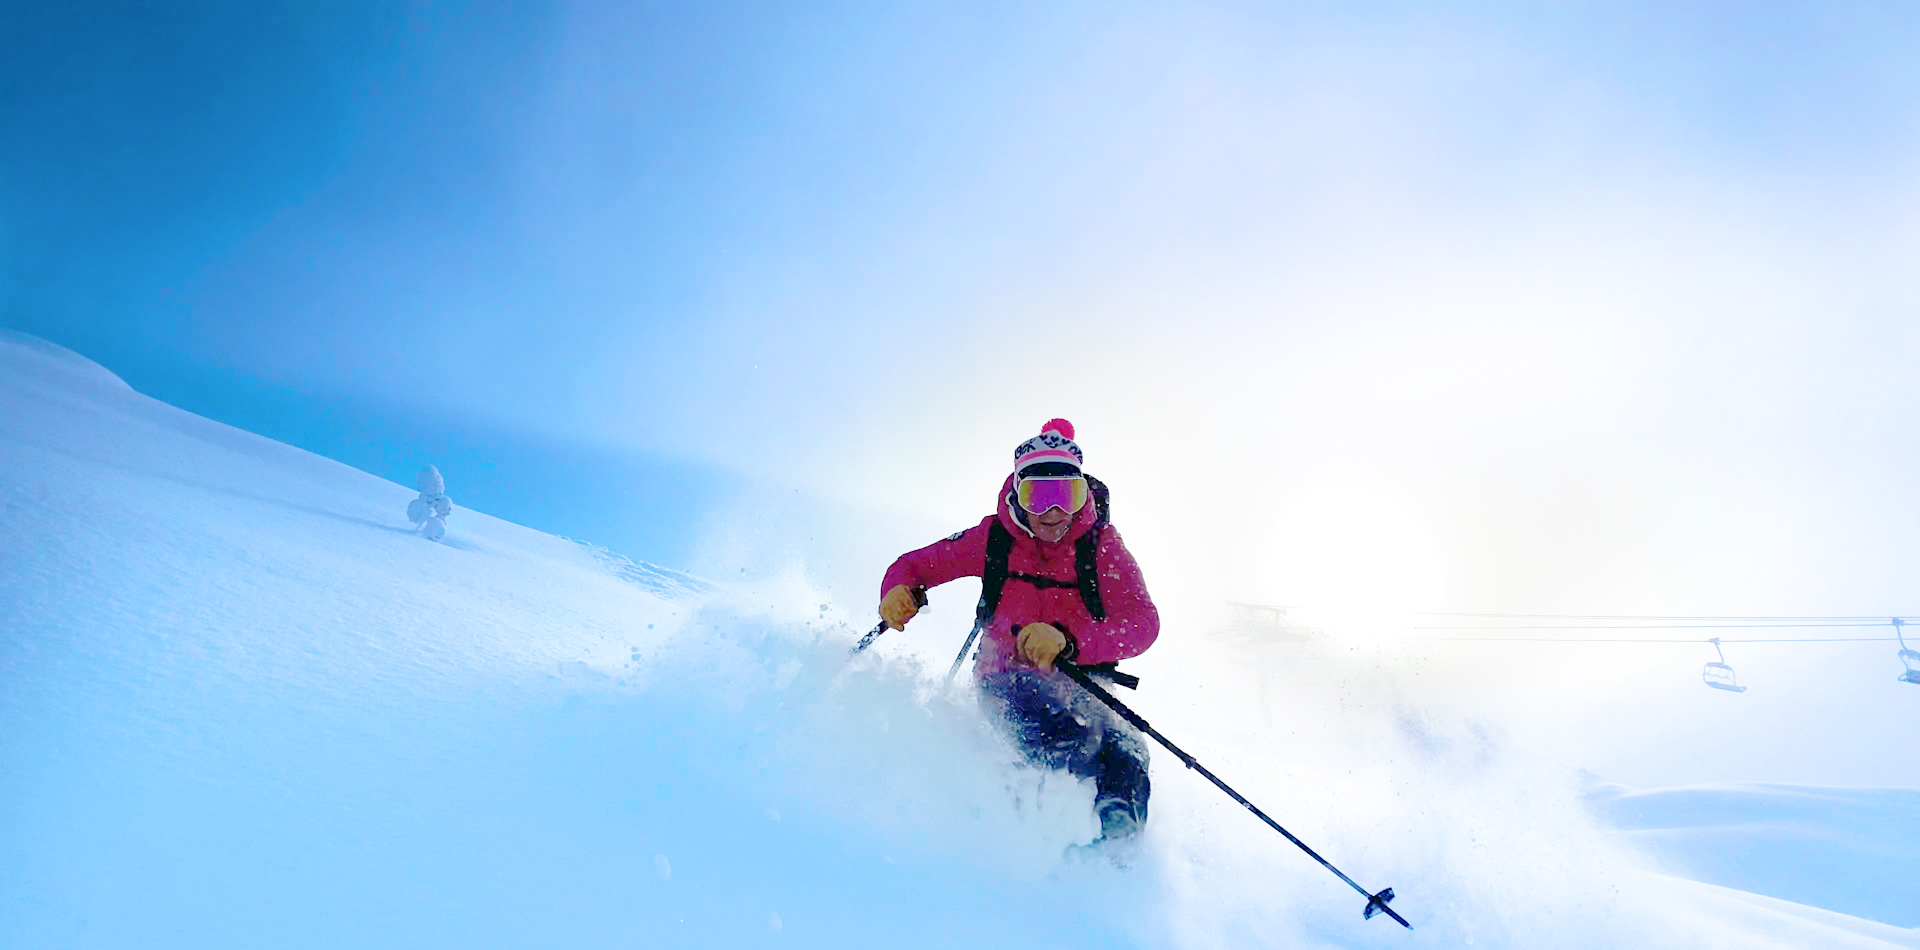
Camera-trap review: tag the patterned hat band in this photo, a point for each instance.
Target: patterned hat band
(1053, 444)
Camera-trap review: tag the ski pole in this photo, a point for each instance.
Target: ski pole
(964, 647)
(1376, 903)
(867, 640)
(919, 600)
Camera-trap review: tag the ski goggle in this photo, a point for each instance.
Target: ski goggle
(1038, 493)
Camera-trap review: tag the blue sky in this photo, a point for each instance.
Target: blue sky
(1577, 307)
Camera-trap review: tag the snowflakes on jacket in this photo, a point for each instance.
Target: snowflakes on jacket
(1131, 624)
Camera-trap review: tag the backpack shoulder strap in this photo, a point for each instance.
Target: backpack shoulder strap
(1086, 550)
(1102, 502)
(1086, 554)
(994, 578)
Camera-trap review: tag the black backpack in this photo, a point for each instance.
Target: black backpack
(1086, 576)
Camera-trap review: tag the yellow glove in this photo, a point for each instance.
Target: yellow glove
(1040, 644)
(899, 606)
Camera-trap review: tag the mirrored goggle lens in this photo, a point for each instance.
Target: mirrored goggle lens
(1038, 494)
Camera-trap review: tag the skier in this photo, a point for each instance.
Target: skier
(1057, 585)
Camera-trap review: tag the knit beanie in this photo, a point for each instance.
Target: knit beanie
(1053, 445)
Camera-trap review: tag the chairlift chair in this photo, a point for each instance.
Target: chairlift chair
(1720, 675)
(1908, 657)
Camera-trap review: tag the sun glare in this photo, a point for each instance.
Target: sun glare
(1352, 561)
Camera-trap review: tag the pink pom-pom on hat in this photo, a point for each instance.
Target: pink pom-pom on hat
(1053, 444)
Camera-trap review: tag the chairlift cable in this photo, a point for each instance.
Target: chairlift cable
(1876, 619)
(1649, 626)
(1717, 675)
(1590, 640)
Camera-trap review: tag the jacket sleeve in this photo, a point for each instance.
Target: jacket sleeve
(1132, 623)
(961, 555)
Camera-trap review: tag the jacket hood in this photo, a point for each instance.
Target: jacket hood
(1083, 519)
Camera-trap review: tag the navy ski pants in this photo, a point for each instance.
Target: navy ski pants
(1058, 725)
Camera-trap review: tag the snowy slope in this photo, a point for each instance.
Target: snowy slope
(241, 705)
(1855, 850)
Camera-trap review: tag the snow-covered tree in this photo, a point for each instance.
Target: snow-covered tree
(429, 511)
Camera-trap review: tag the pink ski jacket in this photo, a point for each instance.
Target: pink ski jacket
(1132, 622)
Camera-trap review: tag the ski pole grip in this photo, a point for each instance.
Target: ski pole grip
(919, 600)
